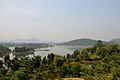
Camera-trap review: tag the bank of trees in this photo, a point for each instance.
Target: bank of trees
(22, 49)
(4, 50)
(28, 45)
(100, 62)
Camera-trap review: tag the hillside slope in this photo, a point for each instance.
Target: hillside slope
(81, 42)
(117, 40)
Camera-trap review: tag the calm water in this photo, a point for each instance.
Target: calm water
(61, 50)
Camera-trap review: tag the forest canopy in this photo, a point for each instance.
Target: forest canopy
(100, 62)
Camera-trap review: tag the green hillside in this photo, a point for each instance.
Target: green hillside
(117, 40)
(82, 42)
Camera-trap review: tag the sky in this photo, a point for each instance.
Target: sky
(59, 20)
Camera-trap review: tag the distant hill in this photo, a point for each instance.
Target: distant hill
(33, 40)
(82, 42)
(117, 40)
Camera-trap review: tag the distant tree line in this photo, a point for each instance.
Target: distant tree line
(22, 49)
(28, 45)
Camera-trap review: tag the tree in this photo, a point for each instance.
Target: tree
(19, 75)
(76, 69)
(75, 53)
(36, 61)
(7, 60)
(1, 64)
(15, 64)
(66, 70)
(98, 44)
(85, 53)
(101, 52)
(44, 60)
(58, 61)
(51, 69)
(68, 56)
(50, 58)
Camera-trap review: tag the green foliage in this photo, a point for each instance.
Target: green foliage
(19, 75)
(100, 62)
(76, 53)
(85, 53)
(50, 58)
(66, 69)
(4, 50)
(7, 60)
(99, 44)
(76, 69)
(36, 61)
(15, 64)
(101, 52)
(22, 49)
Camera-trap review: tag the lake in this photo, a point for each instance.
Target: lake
(61, 50)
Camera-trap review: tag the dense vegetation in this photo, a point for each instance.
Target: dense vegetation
(4, 50)
(100, 62)
(22, 51)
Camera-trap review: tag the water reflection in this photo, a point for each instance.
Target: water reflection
(61, 50)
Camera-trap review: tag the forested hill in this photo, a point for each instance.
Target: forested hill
(85, 41)
(117, 40)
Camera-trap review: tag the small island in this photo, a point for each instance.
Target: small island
(21, 51)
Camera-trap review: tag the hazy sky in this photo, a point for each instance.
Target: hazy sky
(59, 20)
